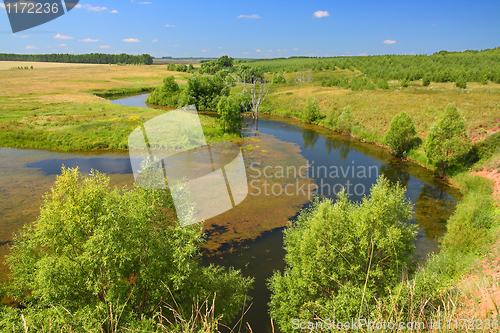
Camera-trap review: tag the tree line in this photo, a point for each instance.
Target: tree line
(473, 66)
(89, 58)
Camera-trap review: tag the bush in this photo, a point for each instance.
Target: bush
(342, 121)
(230, 114)
(95, 253)
(278, 78)
(167, 95)
(447, 141)
(400, 136)
(342, 256)
(404, 83)
(460, 82)
(426, 81)
(382, 84)
(311, 112)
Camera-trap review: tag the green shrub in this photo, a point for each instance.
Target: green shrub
(382, 84)
(230, 114)
(311, 112)
(404, 83)
(278, 78)
(342, 121)
(167, 95)
(342, 256)
(426, 81)
(460, 82)
(447, 141)
(400, 136)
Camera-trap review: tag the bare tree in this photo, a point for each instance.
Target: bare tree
(303, 77)
(255, 96)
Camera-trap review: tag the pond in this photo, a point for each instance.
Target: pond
(287, 164)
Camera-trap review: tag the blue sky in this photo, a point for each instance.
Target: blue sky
(262, 29)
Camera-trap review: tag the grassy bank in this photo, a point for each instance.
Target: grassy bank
(63, 109)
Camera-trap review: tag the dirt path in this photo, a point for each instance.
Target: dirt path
(493, 175)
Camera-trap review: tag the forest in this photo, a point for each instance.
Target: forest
(90, 58)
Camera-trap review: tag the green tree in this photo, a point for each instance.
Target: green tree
(400, 136)
(167, 95)
(342, 256)
(205, 91)
(278, 78)
(93, 251)
(447, 140)
(312, 112)
(230, 114)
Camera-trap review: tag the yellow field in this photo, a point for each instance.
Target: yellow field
(4, 65)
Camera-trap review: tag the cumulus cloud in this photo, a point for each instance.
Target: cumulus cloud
(2, 5)
(171, 26)
(253, 16)
(62, 44)
(59, 36)
(362, 54)
(22, 36)
(145, 3)
(131, 40)
(258, 50)
(295, 49)
(29, 47)
(154, 40)
(104, 46)
(114, 11)
(88, 40)
(321, 13)
(389, 41)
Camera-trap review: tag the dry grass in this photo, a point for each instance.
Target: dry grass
(38, 65)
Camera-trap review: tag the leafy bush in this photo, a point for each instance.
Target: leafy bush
(404, 83)
(96, 253)
(167, 95)
(278, 78)
(342, 255)
(426, 81)
(342, 121)
(205, 92)
(230, 114)
(447, 141)
(382, 84)
(401, 134)
(311, 112)
(460, 82)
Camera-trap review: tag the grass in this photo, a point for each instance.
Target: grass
(5, 65)
(62, 109)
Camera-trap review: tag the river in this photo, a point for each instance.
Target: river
(248, 237)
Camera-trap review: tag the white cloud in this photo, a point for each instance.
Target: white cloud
(29, 47)
(62, 45)
(295, 49)
(92, 8)
(258, 50)
(253, 16)
(362, 54)
(245, 53)
(114, 11)
(104, 46)
(171, 26)
(145, 3)
(389, 41)
(22, 36)
(59, 36)
(154, 40)
(88, 40)
(203, 50)
(131, 40)
(321, 13)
